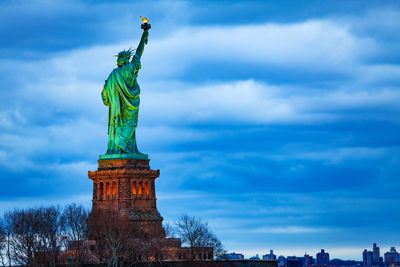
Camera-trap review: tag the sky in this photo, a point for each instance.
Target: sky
(275, 121)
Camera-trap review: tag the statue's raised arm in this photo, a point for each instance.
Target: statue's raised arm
(145, 36)
(143, 42)
(121, 94)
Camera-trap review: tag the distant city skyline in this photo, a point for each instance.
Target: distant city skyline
(378, 255)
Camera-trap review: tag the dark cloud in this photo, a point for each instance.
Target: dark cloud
(45, 180)
(39, 29)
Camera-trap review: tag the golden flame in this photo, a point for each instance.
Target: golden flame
(145, 20)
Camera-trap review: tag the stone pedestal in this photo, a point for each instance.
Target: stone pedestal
(127, 186)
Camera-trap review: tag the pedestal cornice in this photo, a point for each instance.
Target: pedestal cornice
(124, 173)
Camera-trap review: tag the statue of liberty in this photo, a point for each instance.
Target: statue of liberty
(121, 94)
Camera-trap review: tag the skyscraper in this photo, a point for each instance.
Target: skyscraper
(368, 258)
(375, 252)
(322, 258)
(372, 258)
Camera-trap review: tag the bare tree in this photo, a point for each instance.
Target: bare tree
(170, 231)
(50, 230)
(195, 233)
(6, 259)
(74, 219)
(3, 243)
(23, 235)
(116, 244)
(33, 234)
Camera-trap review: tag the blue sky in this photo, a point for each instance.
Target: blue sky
(276, 121)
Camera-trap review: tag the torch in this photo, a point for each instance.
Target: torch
(146, 25)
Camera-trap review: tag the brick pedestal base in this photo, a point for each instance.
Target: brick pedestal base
(127, 186)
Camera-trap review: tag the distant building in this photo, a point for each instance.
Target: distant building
(372, 258)
(256, 257)
(292, 261)
(375, 254)
(322, 258)
(269, 256)
(392, 257)
(281, 261)
(232, 256)
(368, 258)
(308, 260)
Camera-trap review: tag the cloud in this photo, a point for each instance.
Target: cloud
(250, 101)
(320, 45)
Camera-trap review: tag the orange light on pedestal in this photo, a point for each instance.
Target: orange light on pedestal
(108, 189)
(134, 188)
(146, 188)
(114, 188)
(140, 188)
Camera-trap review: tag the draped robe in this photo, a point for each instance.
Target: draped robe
(121, 94)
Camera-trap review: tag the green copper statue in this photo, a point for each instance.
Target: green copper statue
(121, 94)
